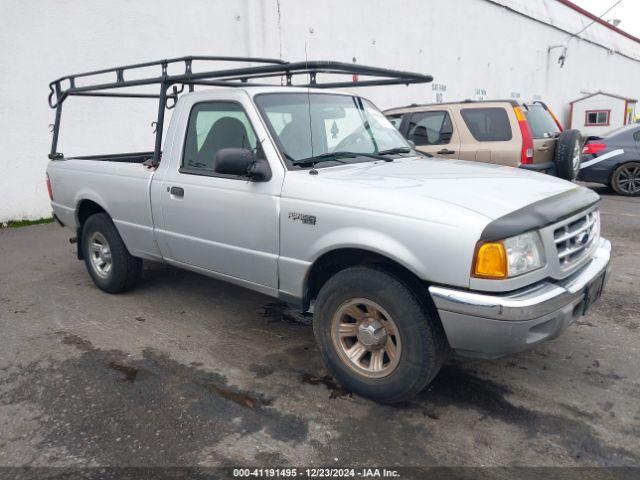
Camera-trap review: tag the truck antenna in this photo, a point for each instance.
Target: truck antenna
(313, 170)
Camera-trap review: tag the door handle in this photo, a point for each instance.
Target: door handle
(445, 151)
(176, 191)
(544, 148)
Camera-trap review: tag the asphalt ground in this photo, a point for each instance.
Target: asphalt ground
(189, 371)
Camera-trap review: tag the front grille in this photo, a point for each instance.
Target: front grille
(574, 240)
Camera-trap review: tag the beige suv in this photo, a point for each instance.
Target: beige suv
(499, 131)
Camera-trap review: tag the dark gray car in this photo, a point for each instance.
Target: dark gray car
(614, 160)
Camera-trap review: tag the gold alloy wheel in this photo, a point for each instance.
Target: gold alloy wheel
(366, 338)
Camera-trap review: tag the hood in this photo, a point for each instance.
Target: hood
(409, 184)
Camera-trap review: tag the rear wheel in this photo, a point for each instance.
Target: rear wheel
(568, 153)
(375, 337)
(626, 179)
(111, 266)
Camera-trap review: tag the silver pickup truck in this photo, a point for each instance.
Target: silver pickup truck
(310, 195)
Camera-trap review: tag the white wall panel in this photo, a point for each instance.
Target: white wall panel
(473, 48)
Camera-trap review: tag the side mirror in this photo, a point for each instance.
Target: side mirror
(241, 162)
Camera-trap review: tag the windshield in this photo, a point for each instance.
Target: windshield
(309, 125)
(541, 122)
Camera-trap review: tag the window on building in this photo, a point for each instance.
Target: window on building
(596, 118)
(487, 124)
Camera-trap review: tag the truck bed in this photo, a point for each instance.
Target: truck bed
(117, 183)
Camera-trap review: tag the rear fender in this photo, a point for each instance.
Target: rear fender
(81, 196)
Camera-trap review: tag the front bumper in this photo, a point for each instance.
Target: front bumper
(492, 325)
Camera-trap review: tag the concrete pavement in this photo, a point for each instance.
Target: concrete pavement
(186, 370)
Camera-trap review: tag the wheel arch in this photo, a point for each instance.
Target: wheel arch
(85, 207)
(621, 163)
(331, 262)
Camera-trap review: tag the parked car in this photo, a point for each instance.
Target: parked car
(312, 196)
(614, 160)
(504, 132)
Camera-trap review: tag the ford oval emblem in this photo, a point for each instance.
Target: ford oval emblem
(583, 238)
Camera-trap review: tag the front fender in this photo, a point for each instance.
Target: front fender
(434, 252)
(371, 240)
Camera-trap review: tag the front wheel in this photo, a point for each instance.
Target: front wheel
(111, 266)
(626, 179)
(375, 337)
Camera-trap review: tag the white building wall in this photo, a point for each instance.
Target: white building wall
(473, 48)
(598, 102)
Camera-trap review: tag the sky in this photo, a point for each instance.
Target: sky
(628, 12)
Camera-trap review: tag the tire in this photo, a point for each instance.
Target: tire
(111, 266)
(567, 154)
(625, 179)
(418, 343)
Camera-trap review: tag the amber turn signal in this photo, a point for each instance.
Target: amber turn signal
(490, 261)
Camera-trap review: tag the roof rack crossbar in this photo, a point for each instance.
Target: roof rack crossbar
(272, 68)
(113, 94)
(163, 64)
(280, 71)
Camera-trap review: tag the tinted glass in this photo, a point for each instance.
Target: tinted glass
(430, 128)
(541, 122)
(311, 124)
(489, 124)
(395, 120)
(214, 126)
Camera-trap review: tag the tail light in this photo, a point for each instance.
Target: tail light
(49, 188)
(592, 148)
(526, 155)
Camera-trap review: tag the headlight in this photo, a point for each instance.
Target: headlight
(510, 257)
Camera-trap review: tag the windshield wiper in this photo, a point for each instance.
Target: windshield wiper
(392, 151)
(324, 157)
(336, 156)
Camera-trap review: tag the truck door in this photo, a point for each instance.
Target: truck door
(433, 132)
(216, 222)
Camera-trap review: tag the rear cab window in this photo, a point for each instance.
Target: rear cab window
(487, 124)
(541, 122)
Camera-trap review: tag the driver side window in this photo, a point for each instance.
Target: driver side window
(213, 126)
(430, 128)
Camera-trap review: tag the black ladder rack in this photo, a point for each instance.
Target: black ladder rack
(283, 72)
